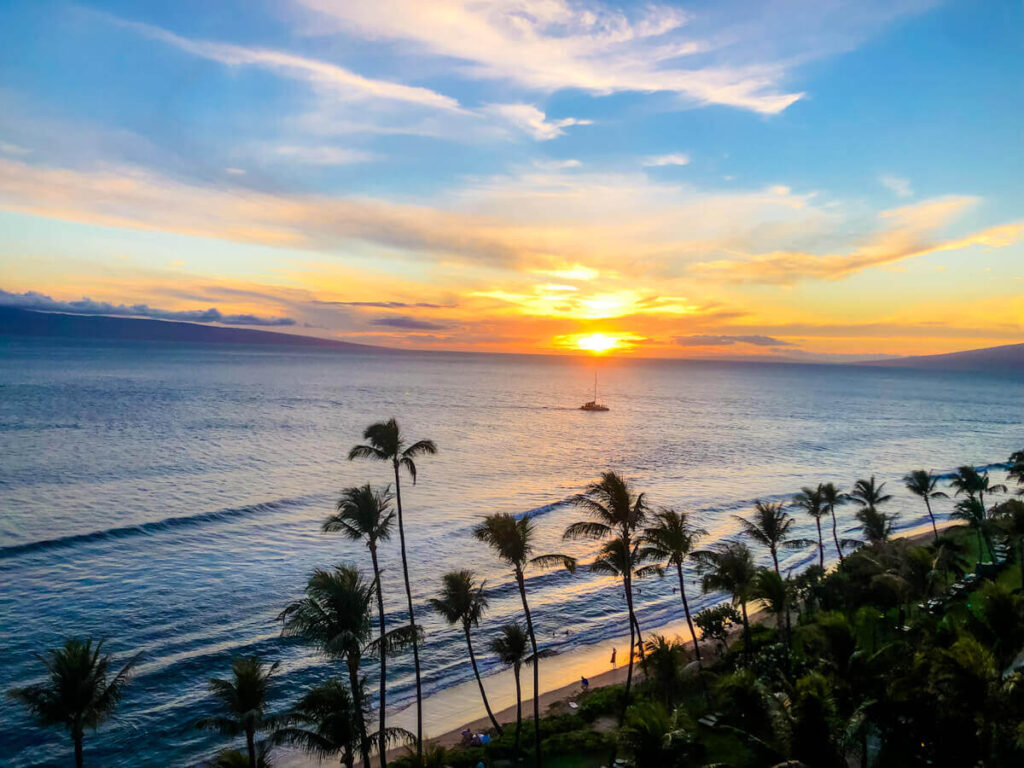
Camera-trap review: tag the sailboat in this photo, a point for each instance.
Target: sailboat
(593, 405)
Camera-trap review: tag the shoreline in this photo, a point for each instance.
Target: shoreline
(450, 711)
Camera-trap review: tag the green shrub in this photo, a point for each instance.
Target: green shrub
(603, 701)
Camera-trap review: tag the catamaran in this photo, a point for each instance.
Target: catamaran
(593, 405)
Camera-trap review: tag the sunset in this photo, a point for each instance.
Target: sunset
(500, 383)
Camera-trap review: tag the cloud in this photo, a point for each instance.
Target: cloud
(85, 306)
(550, 45)
(342, 82)
(676, 158)
(408, 323)
(13, 149)
(532, 121)
(900, 186)
(912, 231)
(323, 155)
(714, 340)
(385, 304)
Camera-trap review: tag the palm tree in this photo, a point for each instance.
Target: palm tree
(463, 602)
(512, 541)
(812, 502)
(969, 480)
(618, 558)
(334, 616)
(770, 528)
(729, 567)
(1016, 471)
(832, 497)
(613, 509)
(243, 701)
(512, 647)
(877, 525)
(672, 538)
(385, 442)
(78, 693)
(774, 591)
(364, 513)
(971, 511)
(323, 723)
(923, 483)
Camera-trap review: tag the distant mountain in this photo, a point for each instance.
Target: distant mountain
(26, 322)
(1009, 357)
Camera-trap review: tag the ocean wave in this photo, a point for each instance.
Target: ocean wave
(158, 526)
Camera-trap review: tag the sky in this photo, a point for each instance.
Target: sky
(770, 179)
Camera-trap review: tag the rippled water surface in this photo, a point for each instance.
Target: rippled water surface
(169, 497)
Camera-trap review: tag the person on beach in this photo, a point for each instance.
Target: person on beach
(614, 651)
(585, 684)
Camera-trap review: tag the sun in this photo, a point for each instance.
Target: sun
(597, 342)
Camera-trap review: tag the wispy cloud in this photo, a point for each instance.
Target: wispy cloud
(718, 340)
(675, 158)
(911, 232)
(407, 323)
(897, 184)
(554, 44)
(343, 82)
(323, 155)
(532, 121)
(86, 306)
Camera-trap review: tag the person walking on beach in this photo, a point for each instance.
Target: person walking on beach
(614, 651)
(585, 684)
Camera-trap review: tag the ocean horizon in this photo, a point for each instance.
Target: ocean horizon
(169, 497)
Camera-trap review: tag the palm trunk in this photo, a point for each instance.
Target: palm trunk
(479, 682)
(357, 701)
(536, 668)
(347, 758)
(935, 530)
(835, 533)
(412, 616)
(79, 759)
(775, 559)
(382, 739)
(686, 610)
(250, 746)
(519, 706)
(821, 545)
(632, 643)
(746, 628)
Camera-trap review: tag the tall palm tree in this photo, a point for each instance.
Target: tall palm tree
(971, 511)
(617, 557)
(512, 541)
(614, 510)
(877, 525)
(832, 497)
(512, 647)
(385, 442)
(812, 502)
(334, 617)
(671, 540)
(729, 567)
(365, 514)
(243, 702)
(770, 528)
(922, 483)
(78, 693)
(323, 723)
(463, 602)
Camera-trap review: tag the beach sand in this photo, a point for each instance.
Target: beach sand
(450, 711)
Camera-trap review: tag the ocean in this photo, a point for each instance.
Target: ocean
(168, 497)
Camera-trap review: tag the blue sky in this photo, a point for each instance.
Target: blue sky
(844, 178)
